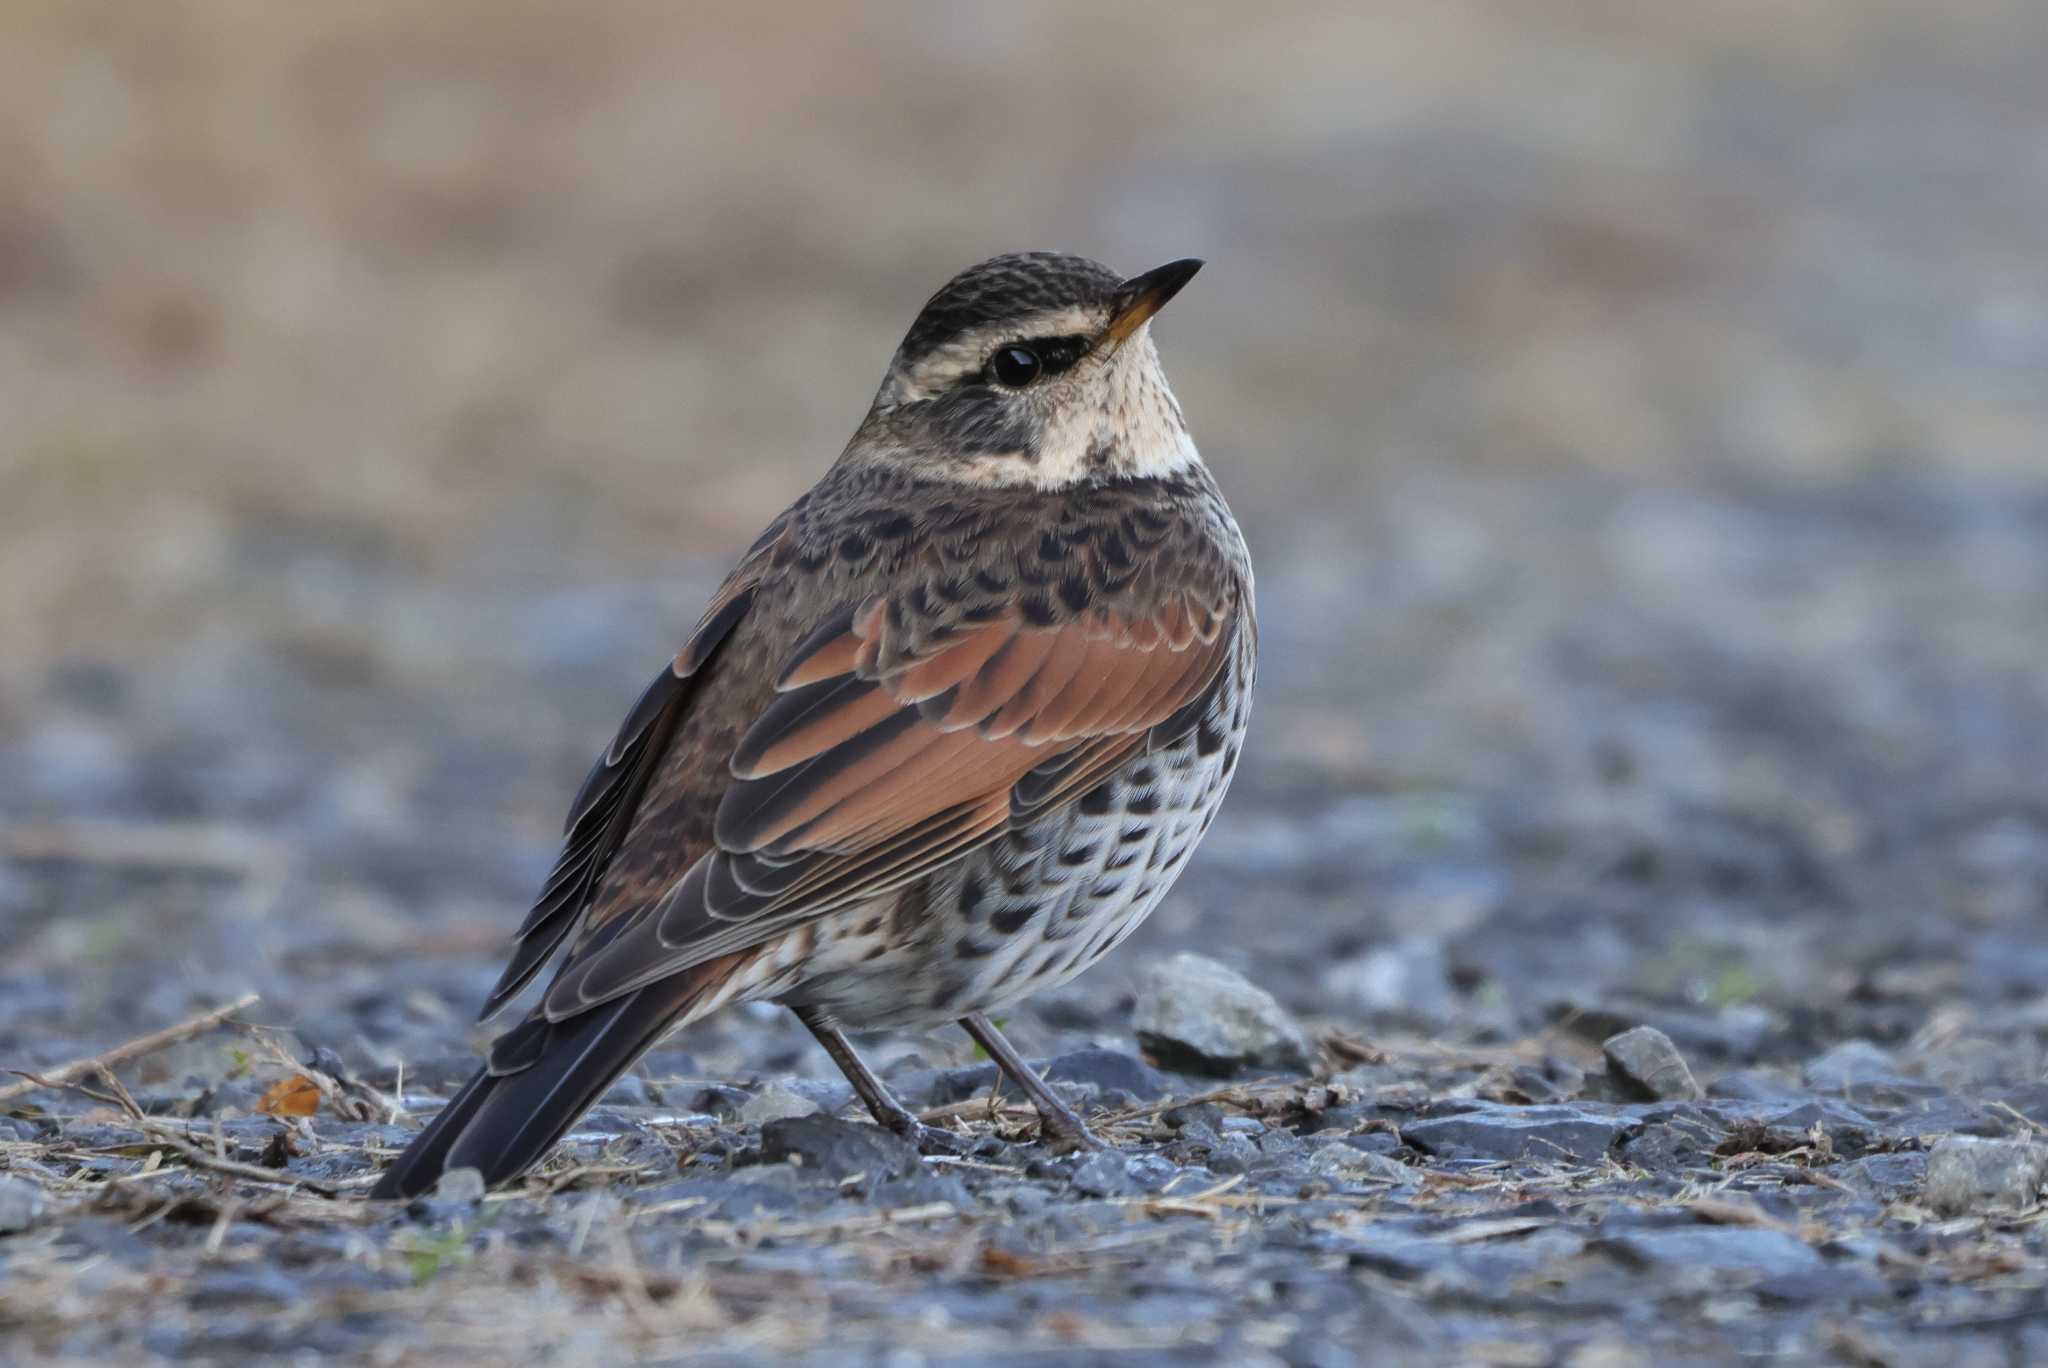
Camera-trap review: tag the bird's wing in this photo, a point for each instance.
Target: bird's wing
(603, 810)
(897, 739)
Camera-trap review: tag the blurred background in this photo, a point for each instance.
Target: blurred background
(1635, 411)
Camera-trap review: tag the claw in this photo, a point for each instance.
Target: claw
(1062, 1137)
(931, 1140)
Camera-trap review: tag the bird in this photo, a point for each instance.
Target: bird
(943, 738)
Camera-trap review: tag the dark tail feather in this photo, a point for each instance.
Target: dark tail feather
(502, 1123)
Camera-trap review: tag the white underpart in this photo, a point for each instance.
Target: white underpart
(1129, 411)
(1119, 405)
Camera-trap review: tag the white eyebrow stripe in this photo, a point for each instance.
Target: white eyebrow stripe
(969, 351)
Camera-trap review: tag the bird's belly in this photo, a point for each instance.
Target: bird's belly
(1031, 909)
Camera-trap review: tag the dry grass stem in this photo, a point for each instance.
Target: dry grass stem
(105, 1062)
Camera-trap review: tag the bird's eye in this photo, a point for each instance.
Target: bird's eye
(1015, 367)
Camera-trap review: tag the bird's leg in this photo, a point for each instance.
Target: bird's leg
(887, 1111)
(1055, 1117)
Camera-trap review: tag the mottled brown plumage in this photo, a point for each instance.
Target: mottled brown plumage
(943, 737)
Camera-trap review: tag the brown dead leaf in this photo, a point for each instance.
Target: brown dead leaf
(294, 1096)
(1003, 1263)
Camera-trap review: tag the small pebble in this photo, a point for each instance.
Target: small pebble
(21, 1205)
(1646, 1059)
(460, 1185)
(1204, 1017)
(1107, 1174)
(1972, 1177)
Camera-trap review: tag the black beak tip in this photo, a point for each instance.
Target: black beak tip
(1162, 283)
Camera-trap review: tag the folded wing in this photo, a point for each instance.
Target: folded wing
(891, 748)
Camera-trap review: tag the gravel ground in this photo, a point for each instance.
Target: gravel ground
(1636, 417)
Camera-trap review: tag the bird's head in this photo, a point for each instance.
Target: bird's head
(1034, 369)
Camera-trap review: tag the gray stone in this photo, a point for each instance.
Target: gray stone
(1838, 1119)
(1119, 1079)
(776, 1103)
(838, 1149)
(21, 1205)
(1106, 1174)
(1723, 1252)
(1151, 1172)
(1342, 1163)
(1490, 1131)
(1887, 1177)
(1203, 1017)
(465, 1185)
(1971, 1177)
(1680, 1138)
(1851, 1064)
(1645, 1058)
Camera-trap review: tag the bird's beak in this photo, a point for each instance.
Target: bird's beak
(1138, 298)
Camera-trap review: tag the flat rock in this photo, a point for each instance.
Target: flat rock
(1490, 1131)
(1645, 1058)
(1972, 1177)
(1203, 1017)
(1682, 1138)
(839, 1149)
(1737, 1252)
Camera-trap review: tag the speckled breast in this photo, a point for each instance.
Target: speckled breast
(1041, 903)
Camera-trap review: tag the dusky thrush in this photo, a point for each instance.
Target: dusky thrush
(945, 736)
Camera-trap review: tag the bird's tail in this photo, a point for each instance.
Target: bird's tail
(542, 1076)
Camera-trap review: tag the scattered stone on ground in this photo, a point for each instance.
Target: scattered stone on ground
(1967, 1176)
(1486, 1130)
(1645, 1058)
(1203, 1017)
(836, 1148)
(1650, 634)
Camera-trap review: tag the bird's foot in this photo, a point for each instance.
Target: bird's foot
(1069, 1132)
(934, 1140)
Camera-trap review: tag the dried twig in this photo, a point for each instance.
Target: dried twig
(1238, 1094)
(135, 1049)
(983, 1108)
